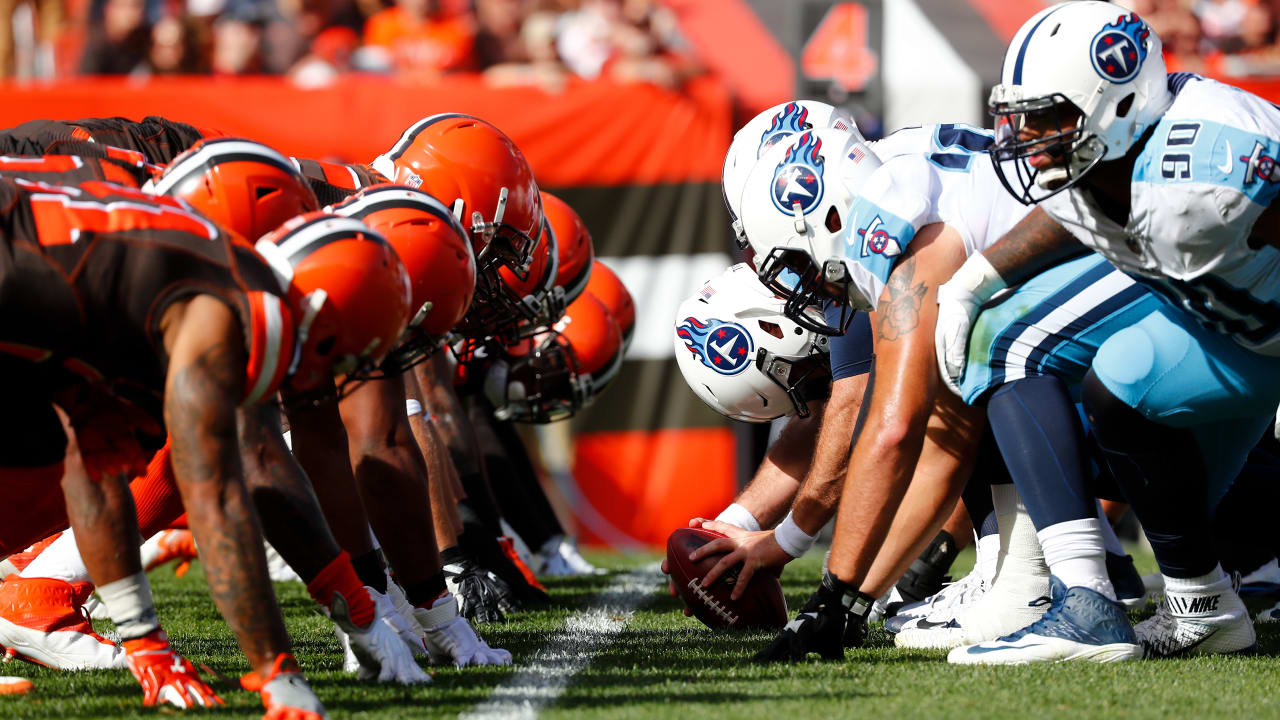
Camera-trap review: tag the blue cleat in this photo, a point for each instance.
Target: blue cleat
(1080, 624)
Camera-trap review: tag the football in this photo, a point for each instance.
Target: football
(761, 606)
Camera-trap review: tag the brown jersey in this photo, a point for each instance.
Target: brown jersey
(159, 140)
(87, 272)
(335, 182)
(73, 169)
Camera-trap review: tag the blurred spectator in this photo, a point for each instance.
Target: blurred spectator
(625, 40)
(1221, 23)
(330, 56)
(119, 44)
(517, 47)
(420, 37)
(174, 48)
(236, 47)
(46, 16)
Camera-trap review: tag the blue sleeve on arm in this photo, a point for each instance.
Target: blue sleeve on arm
(851, 353)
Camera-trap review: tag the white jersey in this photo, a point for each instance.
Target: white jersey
(1205, 175)
(951, 181)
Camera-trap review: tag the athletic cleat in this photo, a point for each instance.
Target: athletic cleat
(1212, 620)
(42, 620)
(509, 549)
(559, 557)
(949, 600)
(1080, 624)
(1269, 615)
(1262, 581)
(1014, 601)
(880, 608)
(19, 561)
(277, 569)
(1131, 592)
(167, 546)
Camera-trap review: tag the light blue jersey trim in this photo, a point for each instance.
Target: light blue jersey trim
(876, 238)
(1205, 152)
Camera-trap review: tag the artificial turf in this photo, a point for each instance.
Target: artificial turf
(664, 664)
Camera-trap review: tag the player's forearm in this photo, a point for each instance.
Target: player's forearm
(1035, 244)
(200, 416)
(436, 382)
(820, 494)
(292, 518)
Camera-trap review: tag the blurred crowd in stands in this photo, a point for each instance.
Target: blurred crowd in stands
(532, 42)
(1232, 38)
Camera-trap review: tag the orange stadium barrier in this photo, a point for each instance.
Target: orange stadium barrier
(636, 161)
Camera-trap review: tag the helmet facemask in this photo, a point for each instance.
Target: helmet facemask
(1050, 126)
(810, 289)
(801, 378)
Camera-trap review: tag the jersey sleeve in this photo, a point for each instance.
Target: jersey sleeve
(890, 208)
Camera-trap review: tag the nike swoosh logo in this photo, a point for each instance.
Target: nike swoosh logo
(927, 624)
(724, 348)
(1229, 165)
(979, 650)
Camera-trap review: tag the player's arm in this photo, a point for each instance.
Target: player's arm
(903, 386)
(204, 382)
(1035, 244)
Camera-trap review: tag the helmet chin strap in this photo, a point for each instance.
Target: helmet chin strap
(1051, 177)
(800, 225)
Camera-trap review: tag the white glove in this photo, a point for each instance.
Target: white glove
(378, 649)
(451, 638)
(959, 301)
(404, 622)
(1276, 430)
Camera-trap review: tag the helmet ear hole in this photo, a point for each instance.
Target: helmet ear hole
(263, 191)
(325, 346)
(833, 219)
(1123, 107)
(772, 328)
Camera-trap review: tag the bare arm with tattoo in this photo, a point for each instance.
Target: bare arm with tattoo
(1035, 244)
(204, 382)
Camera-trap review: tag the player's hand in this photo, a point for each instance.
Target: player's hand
(285, 692)
(166, 676)
(824, 625)
(378, 647)
(957, 309)
(481, 594)
(451, 639)
(753, 550)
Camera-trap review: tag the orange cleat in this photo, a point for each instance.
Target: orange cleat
(167, 546)
(42, 620)
(509, 549)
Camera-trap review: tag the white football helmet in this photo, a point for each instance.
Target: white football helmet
(763, 132)
(1095, 61)
(742, 356)
(794, 208)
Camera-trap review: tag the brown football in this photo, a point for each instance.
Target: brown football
(761, 606)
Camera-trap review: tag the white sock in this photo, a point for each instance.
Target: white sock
(1211, 582)
(128, 602)
(1109, 539)
(1076, 554)
(988, 557)
(61, 561)
(1019, 546)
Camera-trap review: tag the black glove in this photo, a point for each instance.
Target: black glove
(835, 617)
(482, 597)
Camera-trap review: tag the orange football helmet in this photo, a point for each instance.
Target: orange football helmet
(555, 374)
(436, 253)
(477, 171)
(349, 293)
(244, 186)
(516, 303)
(608, 289)
(577, 254)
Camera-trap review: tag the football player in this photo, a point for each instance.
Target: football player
(1171, 179)
(198, 324)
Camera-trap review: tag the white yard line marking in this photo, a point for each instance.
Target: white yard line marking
(544, 677)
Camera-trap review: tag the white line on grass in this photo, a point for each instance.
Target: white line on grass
(544, 677)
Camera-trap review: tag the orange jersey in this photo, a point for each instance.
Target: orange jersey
(432, 44)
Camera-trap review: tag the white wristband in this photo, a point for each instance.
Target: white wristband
(791, 538)
(413, 407)
(978, 277)
(739, 516)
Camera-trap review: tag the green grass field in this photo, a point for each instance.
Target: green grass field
(662, 664)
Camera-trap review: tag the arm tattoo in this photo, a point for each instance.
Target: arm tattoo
(899, 312)
(1034, 244)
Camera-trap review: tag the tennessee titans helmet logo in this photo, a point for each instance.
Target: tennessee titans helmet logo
(792, 120)
(722, 346)
(1120, 47)
(798, 178)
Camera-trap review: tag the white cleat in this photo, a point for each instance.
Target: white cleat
(1264, 580)
(1012, 603)
(1208, 621)
(559, 557)
(377, 650)
(945, 603)
(277, 569)
(42, 620)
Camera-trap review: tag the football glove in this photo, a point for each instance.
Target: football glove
(378, 648)
(451, 639)
(835, 617)
(166, 676)
(482, 596)
(285, 692)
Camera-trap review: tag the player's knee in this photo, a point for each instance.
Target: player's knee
(1125, 365)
